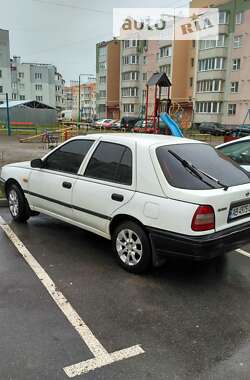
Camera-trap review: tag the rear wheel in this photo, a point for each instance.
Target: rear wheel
(132, 247)
(18, 204)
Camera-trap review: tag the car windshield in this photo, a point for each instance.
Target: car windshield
(203, 157)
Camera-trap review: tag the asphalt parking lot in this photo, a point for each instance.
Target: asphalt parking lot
(189, 320)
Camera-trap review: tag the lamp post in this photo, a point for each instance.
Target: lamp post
(90, 76)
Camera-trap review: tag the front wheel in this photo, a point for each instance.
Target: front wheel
(132, 247)
(18, 205)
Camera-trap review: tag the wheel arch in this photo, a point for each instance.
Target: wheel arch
(120, 218)
(10, 182)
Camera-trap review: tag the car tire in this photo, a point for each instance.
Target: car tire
(18, 204)
(132, 247)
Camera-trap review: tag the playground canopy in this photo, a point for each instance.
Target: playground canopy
(28, 111)
(159, 79)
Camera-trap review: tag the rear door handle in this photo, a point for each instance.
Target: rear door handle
(67, 185)
(117, 197)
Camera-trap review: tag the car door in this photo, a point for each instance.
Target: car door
(50, 188)
(108, 182)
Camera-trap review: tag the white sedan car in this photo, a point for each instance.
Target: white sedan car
(152, 195)
(238, 150)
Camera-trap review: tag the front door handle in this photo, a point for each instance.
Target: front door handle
(117, 197)
(67, 185)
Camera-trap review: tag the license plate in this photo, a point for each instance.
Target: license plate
(239, 211)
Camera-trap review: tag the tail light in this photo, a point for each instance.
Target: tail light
(203, 219)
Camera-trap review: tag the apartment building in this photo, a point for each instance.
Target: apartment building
(37, 81)
(141, 59)
(5, 77)
(108, 79)
(221, 90)
(87, 99)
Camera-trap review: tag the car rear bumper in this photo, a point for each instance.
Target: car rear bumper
(165, 243)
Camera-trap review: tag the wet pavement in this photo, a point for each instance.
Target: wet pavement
(191, 319)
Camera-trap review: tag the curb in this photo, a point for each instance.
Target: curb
(3, 202)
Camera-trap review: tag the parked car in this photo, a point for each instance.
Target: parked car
(211, 128)
(152, 195)
(101, 122)
(116, 126)
(238, 150)
(128, 122)
(107, 124)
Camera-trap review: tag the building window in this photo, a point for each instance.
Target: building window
(231, 109)
(236, 64)
(191, 82)
(129, 91)
(166, 51)
(0, 73)
(39, 98)
(192, 62)
(234, 87)
(14, 96)
(193, 43)
(208, 107)
(20, 75)
(39, 87)
(38, 75)
(128, 108)
(102, 79)
(130, 59)
(129, 43)
(1, 89)
(102, 66)
(21, 86)
(144, 60)
(165, 69)
(130, 75)
(223, 17)
(209, 85)
(209, 64)
(102, 93)
(239, 18)
(211, 44)
(22, 97)
(237, 43)
(144, 76)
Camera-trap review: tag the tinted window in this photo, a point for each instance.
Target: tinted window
(203, 157)
(111, 162)
(69, 157)
(239, 152)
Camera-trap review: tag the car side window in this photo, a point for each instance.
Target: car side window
(239, 152)
(69, 157)
(111, 162)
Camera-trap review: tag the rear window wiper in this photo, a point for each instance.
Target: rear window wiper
(198, 172)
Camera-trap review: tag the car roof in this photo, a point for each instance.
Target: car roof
(140, 138)
(233, 141)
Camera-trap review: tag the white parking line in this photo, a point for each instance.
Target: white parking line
(242, 252)
(101, 356)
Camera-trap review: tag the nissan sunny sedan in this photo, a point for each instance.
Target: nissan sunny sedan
(151, 195)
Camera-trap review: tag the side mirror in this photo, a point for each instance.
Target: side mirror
(37, 163)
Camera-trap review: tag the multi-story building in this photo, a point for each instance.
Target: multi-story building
(37, 81)
(68, 98)
(87, 99)
(221, 91)
(108, 79)
(5, 77)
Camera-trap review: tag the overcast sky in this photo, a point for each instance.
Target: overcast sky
(64, 32)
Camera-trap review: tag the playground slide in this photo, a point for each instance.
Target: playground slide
(172, 125)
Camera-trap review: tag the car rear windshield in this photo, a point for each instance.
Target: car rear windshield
(203, 157)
